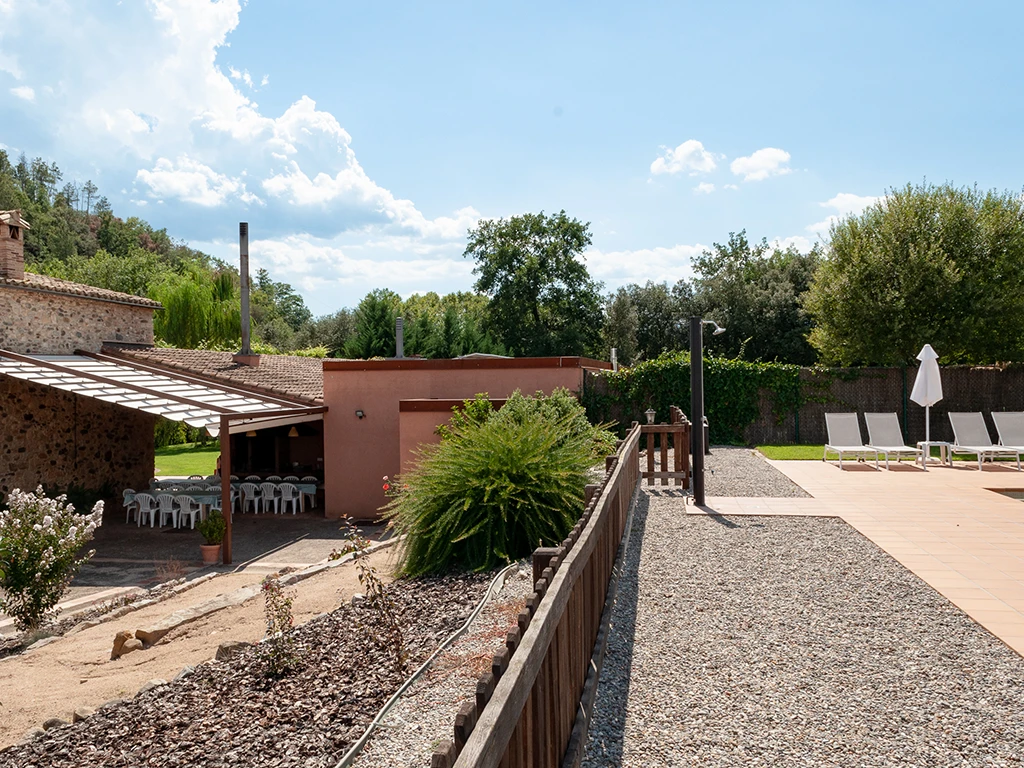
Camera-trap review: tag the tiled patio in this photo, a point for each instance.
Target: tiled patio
(947, 525)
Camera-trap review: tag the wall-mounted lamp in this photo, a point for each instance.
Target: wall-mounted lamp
(250, 433)
(360, 414)
(293, 432)
(719, 330)
(649, 413)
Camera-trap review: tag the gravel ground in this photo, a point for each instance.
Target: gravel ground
(732, 471)
(231, 714)
(773, 641)
(425, 715)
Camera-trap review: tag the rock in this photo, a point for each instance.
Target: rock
(111, 703)
(132, 644)
(230, 648)
(358, 599)
(53, 722)
(156, 682)
(81, 713)
(41, 643)
(152, 634)
(119, 640)
(82, 625)
(31, 733)
(185, 672)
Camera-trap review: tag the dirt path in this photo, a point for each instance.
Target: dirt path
(77, 671)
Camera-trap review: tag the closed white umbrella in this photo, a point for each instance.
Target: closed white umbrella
(927, 389)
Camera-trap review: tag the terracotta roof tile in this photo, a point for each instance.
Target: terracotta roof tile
(54, 285)
(300, 378)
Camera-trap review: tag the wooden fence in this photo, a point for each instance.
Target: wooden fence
(526, 706)
(678, 431)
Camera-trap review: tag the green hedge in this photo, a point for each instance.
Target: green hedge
(731, 392)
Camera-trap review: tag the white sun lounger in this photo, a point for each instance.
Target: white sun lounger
(885, 436)
(844, 437)
(971, 436)
(1010, 425)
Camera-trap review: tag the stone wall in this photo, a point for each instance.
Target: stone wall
(36, 322)
(59, 439)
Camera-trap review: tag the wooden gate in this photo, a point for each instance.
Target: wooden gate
(678, 432)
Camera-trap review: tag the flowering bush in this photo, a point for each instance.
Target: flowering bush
(278, 651)
(39, 542)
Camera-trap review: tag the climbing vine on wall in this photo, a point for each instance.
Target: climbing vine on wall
(732, 390)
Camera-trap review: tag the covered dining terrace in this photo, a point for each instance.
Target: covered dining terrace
(264, 429)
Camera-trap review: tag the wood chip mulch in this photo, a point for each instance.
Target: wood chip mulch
(231, 714)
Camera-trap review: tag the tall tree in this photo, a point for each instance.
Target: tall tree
(620, 326)
(756, 292)
(926, 264)
(543, 300)
(375, 325)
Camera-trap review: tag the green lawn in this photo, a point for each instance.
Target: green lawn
(187, 459)
(813, 453)
(792, 452)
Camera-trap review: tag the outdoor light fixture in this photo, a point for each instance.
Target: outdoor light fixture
(250, 433)
(649, 413)
(718, 329)
(360, 414)
(293, 432)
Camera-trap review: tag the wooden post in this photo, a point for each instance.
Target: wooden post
(225, 485)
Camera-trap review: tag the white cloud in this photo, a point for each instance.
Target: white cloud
(729, 186)
(616, 268)
(689, 157)
(799, 242)
(762, 164)
(192, 182)
(24, 92)
(845, 204)
(704, 188)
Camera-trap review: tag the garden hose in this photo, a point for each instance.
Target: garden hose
(496, 584)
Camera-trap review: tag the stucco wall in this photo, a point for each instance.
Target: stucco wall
(36, 322)
(58, 439)
(359, 452)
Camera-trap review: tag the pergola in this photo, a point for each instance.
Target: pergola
(219, 408)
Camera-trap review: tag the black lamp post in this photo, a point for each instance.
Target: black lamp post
(697, 403)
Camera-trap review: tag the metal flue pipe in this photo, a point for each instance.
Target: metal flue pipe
(243, 272)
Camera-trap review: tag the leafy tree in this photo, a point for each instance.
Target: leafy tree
(543, 300)
(375, 325)
(927, 264)
(756, 292)
(620, 326)
(661, 313)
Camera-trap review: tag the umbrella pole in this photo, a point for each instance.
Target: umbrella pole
(927, 436)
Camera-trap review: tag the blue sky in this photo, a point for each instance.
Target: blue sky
(362, 140)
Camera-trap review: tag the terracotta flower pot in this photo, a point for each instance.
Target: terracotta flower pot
(211, 553)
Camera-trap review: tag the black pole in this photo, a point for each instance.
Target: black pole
(697, 408)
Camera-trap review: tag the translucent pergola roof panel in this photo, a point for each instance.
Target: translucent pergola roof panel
(194, 402)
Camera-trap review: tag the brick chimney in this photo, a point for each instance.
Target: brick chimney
(12, 245)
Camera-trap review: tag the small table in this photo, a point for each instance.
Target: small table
(945, 452)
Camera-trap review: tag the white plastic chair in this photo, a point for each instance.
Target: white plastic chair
(844, 437)
(128, 499)
(253, 479)
(165, 502)
(188, 507)
(970, 435)
(291, 479)
(146, 505)
(196, 477)
(269, 495)
(274, 479)
(289, 495)
(885, 436)
(250, 494)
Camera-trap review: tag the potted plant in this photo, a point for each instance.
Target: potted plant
(212, 530)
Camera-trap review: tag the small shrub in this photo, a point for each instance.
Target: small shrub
(492, 492)
(39, 540)
(212, 529)
(384, 628)
(278, 650)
